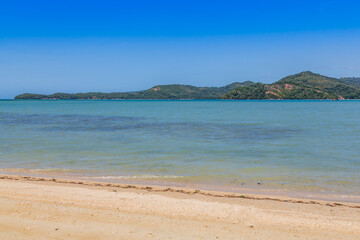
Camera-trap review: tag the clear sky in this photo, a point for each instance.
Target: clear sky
(127, 45)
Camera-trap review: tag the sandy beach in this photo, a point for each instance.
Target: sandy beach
(45, 208)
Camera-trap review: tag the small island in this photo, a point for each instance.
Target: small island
(304, 85)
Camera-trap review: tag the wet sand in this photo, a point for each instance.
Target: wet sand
(46, 208)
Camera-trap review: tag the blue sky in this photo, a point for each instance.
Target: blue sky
(80, 46)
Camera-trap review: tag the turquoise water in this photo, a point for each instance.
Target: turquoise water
(296, 145)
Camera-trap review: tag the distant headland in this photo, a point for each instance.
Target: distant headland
(304, 85)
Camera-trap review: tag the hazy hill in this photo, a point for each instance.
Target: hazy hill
(304, 85)
(174, 91)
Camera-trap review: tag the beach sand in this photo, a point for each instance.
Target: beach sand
(45, 208)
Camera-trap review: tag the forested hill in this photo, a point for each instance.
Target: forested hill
(174, 91)
(304, 85)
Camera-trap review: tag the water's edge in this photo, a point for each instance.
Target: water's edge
(260, 191)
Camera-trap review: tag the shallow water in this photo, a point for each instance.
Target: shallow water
(311, 146)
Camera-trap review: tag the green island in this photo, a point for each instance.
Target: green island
(304, 85)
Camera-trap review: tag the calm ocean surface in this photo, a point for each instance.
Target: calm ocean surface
(311, 146)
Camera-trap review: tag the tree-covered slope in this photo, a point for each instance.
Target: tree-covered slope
(352, 81)
(174, 91)
(304, 85)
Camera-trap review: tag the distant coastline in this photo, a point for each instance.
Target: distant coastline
(304, 85)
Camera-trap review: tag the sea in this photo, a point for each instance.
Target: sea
(301, 148)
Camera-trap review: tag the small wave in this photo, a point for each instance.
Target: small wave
(138, 177)
(51, 170)
(39, 170)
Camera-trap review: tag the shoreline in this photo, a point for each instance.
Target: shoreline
(182, 190)
(271, 192)
(49, 208)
